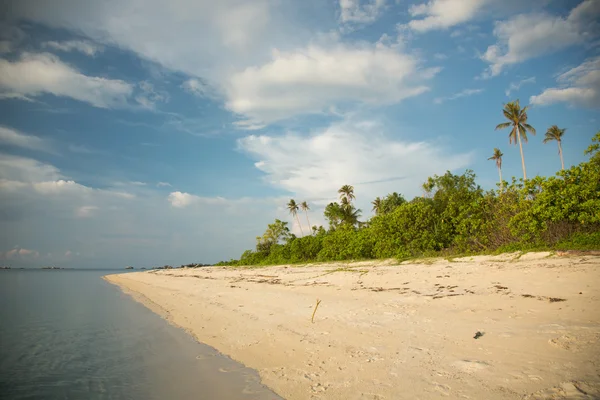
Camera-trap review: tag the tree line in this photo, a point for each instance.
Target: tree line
(454, 216)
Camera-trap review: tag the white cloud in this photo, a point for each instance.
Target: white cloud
(149, 96)
(60, 187)
(10, 37)
(16, 96)
(579, 86)
(163, 184)
(82, 46)
(19, 254)
(463, 93)
(12, 137)
(192, 36)
(112, 228)
(314, 166)
(313, 79)
(85, 211)
(36, 74)
(24, 169)
(528, 36)
(25, 173)
(200, 88)
(514, 86)
(443, 14)
(352, 11)
(181, 200)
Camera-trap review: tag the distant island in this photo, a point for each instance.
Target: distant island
(53, 268)
(129, 267)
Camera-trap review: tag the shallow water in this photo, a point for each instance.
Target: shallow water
(72, 335)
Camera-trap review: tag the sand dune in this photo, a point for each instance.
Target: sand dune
(406, 331)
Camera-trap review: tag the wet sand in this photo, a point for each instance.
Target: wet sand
(406, 331)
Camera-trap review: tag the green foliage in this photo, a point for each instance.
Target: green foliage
(410, 230)
(275, 232)
(456, 216)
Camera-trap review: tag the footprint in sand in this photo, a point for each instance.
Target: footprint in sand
(470, 366)
(568, 390)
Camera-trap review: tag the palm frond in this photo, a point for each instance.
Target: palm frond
(529, 128)
(503, 125)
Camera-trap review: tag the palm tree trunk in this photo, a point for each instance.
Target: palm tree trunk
(501, 183)
(562, 162)
(307, 220)
(522, 157)
(299, 224)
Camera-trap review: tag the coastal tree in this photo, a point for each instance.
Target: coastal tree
(377, 205)
(391, 202)
(304, 206)
(517, 120)
(276, 232)
(554, 133)
(347, 191)
(293, 208)
(497, 156)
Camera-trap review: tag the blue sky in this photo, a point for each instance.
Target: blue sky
(151, 132)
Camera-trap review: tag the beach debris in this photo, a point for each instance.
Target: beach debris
(312, 319)
(478, 335)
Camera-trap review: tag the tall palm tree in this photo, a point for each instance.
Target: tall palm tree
(498, 158)
(293, 207)
(555, 133)
(347, 191)
(305, 208)
(517, 119)
(377, 205)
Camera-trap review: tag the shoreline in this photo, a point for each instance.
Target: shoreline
(386, 331)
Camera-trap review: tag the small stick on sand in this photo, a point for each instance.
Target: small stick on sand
(313, 315)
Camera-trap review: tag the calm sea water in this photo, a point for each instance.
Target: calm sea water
(71, 335)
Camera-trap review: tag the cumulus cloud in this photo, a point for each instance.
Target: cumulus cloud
(51, 212)
(353, 11)
(181, 200)
(13, 137)
(443, 14)
(462, 93)
(26, 173)
(83, 46)
(578, 86)
(19, 254)
(310, 80)
(37, 74)
(527, 36)
(351, 152)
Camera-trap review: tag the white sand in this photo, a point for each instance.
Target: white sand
(397, 331)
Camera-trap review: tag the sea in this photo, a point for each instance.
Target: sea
(69, 334)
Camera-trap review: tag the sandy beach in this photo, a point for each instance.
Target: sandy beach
(388, 330)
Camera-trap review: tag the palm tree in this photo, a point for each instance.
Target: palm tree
(498, 158)
(293, 207)
(517, 118)
(377, 205)
(305, 208)
(555, 133)
(347, 191)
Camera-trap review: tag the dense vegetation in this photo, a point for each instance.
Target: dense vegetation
(454, 216)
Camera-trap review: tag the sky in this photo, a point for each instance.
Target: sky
(158, 132)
